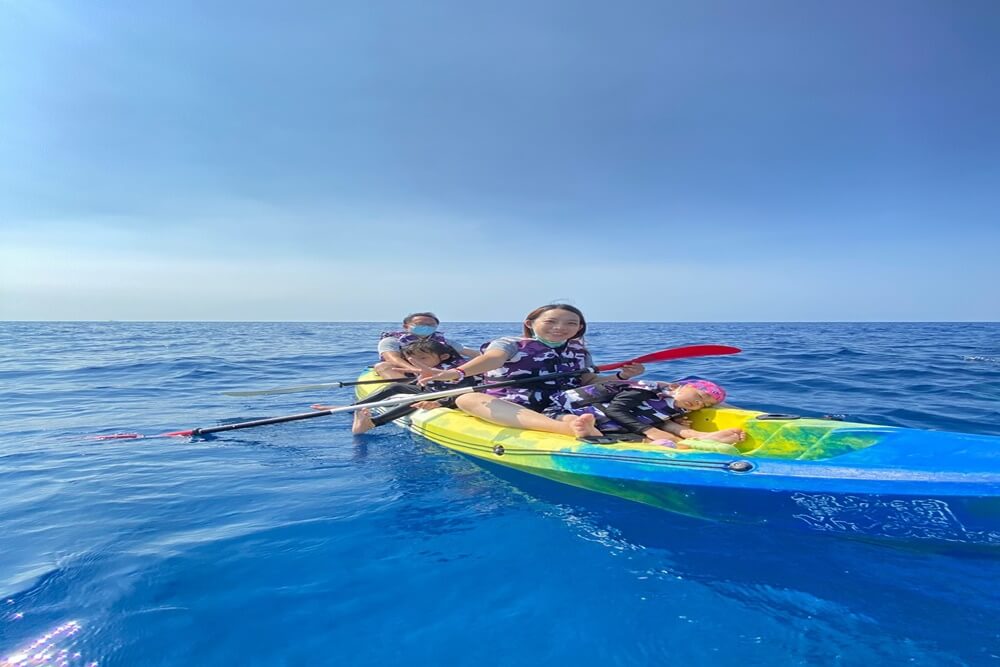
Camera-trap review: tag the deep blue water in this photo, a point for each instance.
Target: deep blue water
(299, 544)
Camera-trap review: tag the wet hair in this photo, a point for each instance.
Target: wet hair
(537, 312)
(412, 316)
(429, 346)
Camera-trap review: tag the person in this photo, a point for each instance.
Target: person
(551, 342)
(646, 408)
(424, 353)
(416, 326)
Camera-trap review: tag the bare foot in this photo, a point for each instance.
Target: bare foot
(362, 421)
(583, 426)
(730, 436)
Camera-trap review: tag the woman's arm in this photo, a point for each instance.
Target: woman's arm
(626, 372)
(488, 361)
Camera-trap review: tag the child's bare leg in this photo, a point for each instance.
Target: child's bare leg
(656, 434)
(727, 435)
(505, 413)
(362, 421)
(660, 434)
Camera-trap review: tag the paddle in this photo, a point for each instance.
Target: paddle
(675, 353)
(310, 387)
(662, 355)
(389, 402)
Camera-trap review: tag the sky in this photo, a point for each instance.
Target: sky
(663, 160)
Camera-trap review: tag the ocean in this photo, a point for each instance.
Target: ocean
(300, 544)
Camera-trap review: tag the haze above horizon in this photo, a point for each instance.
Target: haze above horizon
(686, 161)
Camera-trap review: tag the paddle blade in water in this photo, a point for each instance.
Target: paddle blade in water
(140, 436)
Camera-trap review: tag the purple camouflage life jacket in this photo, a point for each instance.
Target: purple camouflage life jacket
(532, 359)
(456, 360)
(407, 337)
(591, 399)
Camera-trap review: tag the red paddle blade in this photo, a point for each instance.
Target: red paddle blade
(675, 353)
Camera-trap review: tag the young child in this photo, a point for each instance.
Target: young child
(646, 408)
(426, 352)
(416, 327)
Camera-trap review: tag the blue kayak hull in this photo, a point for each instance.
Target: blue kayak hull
(812, 475)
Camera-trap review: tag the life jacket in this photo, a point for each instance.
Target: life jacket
(533, 359)
(655, 410)
(406, 337)
(456, 360)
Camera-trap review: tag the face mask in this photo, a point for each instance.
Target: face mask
(423, 329)
(549, 343)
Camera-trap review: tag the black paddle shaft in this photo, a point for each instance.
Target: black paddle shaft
(416, 397)
(259, 422)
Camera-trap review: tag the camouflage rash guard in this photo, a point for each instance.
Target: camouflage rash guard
(633, 407)
(528, 357)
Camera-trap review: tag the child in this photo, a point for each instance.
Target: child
(416, 327)
(426, 352)
(647, 408)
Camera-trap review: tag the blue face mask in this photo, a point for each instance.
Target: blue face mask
(549, 343)
(423, 329)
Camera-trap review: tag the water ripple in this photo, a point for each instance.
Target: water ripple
(300, 544)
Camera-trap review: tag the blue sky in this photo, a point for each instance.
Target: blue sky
(663, 160)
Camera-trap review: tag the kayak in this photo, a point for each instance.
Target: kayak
(927, 488)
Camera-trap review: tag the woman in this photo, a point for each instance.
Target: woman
(551, 343)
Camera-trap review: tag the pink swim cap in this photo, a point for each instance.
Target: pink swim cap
(710, 388)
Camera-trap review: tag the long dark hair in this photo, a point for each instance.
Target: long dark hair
(533, 315)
